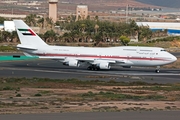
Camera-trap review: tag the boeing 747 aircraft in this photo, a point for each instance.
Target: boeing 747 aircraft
(95, 58)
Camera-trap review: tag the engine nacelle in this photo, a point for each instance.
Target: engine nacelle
(72, 63)
(104, 65)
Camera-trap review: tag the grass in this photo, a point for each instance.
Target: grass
(71, 94)
(45, 92)
(46, 83)
(106, 109)
(18, 95)
(9, 87)
(38, 95)
(118, 96)
(7, 48)
(136, 109)
(36, 82)
(161, 88)
(44, 107)
(118, 91)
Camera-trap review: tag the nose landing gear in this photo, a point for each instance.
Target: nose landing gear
(157, 69)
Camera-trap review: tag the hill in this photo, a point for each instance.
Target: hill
(109, 4)
(164, 3)
(120, 3)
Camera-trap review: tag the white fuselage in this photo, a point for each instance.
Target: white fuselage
(123, 56)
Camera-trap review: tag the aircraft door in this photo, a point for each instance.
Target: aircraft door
(77, 54)
(100, 55)
(137, 50)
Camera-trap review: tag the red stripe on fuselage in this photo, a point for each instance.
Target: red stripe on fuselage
(101, 57)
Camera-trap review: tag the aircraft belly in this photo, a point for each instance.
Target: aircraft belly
(147, 63)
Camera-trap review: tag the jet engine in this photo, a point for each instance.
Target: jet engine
(104, 65)
(72, 63)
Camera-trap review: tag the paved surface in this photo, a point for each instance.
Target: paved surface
(53, 69)
(15, 58)
(153, 115)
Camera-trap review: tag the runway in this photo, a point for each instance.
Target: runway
(52, 69)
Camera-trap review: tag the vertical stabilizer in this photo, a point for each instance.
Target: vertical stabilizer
(26, 35)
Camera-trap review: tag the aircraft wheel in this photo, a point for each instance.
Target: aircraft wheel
(93, 68)
(96, 68)
(89, 68)
(157, 71)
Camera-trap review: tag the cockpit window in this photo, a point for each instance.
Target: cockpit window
(163, 50)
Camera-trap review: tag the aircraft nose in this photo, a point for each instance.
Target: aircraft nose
(173, 58)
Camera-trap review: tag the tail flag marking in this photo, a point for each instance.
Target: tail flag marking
(27, 32)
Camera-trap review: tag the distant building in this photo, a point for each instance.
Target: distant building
(81, 12)
(53, 9)
(9, 26)
(173, 28)
(12, 15)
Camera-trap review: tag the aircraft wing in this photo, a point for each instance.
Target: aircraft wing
(88, 60)
(93, 62)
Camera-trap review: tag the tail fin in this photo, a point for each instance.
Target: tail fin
(26, 35)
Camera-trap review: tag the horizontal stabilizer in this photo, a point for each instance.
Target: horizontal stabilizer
(20, 46)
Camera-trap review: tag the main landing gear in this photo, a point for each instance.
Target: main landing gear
(157, 69)
(93, 67)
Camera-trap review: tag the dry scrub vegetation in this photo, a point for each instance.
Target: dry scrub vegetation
(21, 95)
